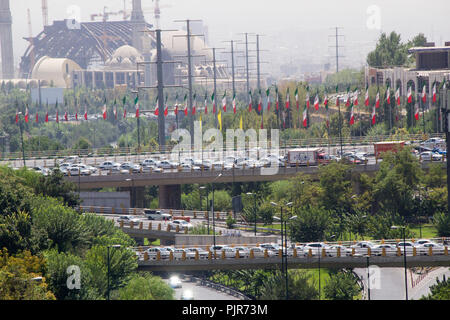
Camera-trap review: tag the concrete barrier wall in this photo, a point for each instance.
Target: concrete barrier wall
(116, 200)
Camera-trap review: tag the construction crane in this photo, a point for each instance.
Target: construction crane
(156, 10)
(31, 40)
(105, 37)
(45, 13)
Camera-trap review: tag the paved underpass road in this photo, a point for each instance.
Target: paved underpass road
(392, 283)
(200, 292)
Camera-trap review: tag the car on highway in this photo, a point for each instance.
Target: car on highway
(217, 248)
(78, 171)
(91, 169)
(186, 167)
(407, 245)
(135, 168)
(152, 169)
(422, 241)
(175, 282)
(153, 253)
(231, 253)
(244, 250)
(202, 254)
(41, 170)
(182, 224)
(166, 164)
(187, 295)
(148, 163)
(108, 165)
(71, 160)
(332, 251)
(156, 215)
(389, 249)
(315, 248)
(361, 247)
(178, 253)
(259, 252)
(430, 156)
(424, 249)
(128, 219)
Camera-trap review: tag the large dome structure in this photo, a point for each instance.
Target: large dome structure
(124, 58)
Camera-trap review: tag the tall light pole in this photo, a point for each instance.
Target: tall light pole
(403, 228)
(368, 277)
(212, 209)
(109, 267)
(284, 261)
(133, 193)
(254, 208)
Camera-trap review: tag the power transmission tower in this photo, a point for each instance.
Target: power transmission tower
(337, 46)
(214, 62)
(160, 86)
(233, 64)
(189, 57)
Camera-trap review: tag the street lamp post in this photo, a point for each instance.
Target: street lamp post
(403, 228)
(109, 262)
(368, 277)
(212, 209)
(284, 262)
(133, 193)
(254, 208)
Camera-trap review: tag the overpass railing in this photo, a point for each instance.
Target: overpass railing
(195, 214)
(151, 151)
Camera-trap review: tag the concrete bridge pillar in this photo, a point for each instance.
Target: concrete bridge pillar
(170, 197)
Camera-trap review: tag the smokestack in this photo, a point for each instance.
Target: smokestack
(6, 40)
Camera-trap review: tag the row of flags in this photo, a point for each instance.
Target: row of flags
(349, 102)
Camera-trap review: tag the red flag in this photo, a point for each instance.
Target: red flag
(46, 117)
(37, 117)
(424, 94)
(85, 114)
(410, 94)
(66, 116)
(26, 115)
(57, 116)
(17, 116)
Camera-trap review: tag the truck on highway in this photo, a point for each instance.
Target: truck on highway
(303, 156)
(393, 146)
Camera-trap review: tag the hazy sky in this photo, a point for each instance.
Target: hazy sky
(295, 30)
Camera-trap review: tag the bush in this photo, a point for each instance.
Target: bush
(442, 222)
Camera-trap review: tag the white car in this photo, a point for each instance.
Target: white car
(43, 171)
(71, 160)
(332, 251)
(178, 254)
(153, 253)
(389, 249)
(423, 249)
(422, 241)
(156, 215)
(108, 165)
(130, 166)
(148, 163)
(165, 164)
(128, 219)
(431, 156)
(175, 282)
(85, 167)
(407, 245)
(77, 171)
(202, 254)
(152, 169)
(182, 224)
(316, 248)
(259, 252)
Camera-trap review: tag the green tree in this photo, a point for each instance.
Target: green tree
(335, 181)
(122, 265)
(300, 287)
(17, 274)
(16, 232)
(342, 285)
(441, 220)
(389, 52)
(144, 287)
(439, 291)
(312, 224)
